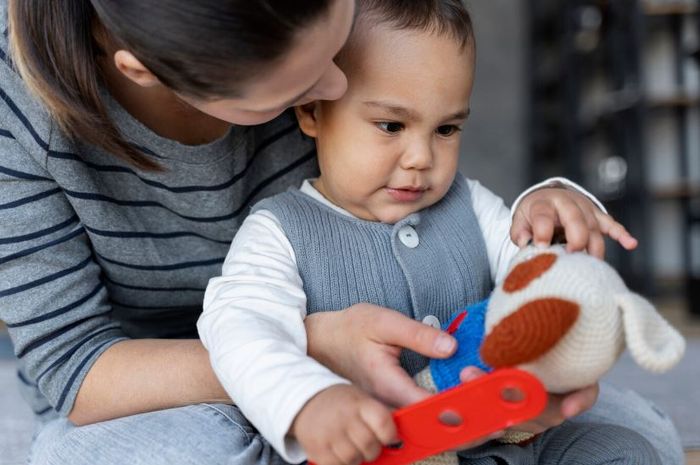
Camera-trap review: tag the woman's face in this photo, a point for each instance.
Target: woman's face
(305, 74)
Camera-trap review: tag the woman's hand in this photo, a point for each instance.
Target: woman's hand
(363, 343)
(560, 407)
(584, 224)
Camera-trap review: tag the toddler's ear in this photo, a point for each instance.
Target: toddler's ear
(306, 115)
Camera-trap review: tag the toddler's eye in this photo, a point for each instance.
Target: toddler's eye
(448, 130)
(390, 127)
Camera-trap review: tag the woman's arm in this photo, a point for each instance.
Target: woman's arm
(57, 309)
(142, 375)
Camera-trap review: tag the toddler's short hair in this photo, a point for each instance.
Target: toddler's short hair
(443, 17)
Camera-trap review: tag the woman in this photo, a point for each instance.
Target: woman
(122, 186)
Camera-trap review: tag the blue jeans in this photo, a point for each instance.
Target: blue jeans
(626, 408)
(219, 434)
(204, 434)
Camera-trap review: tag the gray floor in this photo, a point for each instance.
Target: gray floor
(16, 423)
(676, 392)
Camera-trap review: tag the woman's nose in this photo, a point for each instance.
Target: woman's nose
(331, 86)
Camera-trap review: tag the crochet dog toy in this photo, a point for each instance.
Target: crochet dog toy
(564, 317)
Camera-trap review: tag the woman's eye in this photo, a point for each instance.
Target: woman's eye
(448, 130)
(390, 127)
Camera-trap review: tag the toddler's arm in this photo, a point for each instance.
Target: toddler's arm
(253, 327)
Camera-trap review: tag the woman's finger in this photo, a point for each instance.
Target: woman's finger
(393, 328)
(470, 373)
(395, 387)
(579, 401)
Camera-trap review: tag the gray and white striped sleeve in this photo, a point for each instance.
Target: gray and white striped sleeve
(51, 296)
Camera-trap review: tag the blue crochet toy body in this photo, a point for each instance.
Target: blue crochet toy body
(467, 327)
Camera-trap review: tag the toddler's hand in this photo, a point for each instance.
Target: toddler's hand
(342, 425)
(544, 210)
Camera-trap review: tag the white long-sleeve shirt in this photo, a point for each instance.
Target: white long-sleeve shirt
(253, 318)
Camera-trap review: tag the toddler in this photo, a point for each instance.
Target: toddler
(389, 221)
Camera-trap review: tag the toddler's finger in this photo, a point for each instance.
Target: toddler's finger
(543, 222)
(379, 421)
(596, 244)
(520, 230)
(617, 232)
(575, 224)
(346, 452)
(365, 440)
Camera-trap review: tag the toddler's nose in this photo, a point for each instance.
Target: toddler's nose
(418, 157)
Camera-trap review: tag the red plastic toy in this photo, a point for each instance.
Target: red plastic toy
(482, 406)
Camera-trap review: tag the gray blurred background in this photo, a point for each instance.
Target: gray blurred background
(607, 94)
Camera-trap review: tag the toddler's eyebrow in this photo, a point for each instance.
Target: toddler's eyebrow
(464, 114)
(404, 113)
(397, 110)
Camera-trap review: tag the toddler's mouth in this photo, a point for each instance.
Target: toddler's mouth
(406, 194)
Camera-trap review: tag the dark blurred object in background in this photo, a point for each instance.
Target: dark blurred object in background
(614, 104)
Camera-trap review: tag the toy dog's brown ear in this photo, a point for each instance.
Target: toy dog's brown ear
(529, 332)
(653, 343)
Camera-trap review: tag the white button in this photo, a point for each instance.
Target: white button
(408, 237)
(432, 320)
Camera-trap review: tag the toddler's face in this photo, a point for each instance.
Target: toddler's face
(390, 146)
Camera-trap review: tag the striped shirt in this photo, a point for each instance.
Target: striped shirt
(93, 251)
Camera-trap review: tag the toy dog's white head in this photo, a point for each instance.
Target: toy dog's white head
(565, 317)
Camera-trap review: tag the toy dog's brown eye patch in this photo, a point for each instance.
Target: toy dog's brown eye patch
(526, 272)
(529, 332)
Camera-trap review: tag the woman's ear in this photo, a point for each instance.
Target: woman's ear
(307, 117)
(131, 67)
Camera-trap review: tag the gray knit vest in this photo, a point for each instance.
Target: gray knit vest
(344, 261)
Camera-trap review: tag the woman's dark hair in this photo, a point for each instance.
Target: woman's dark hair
(201, 48)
